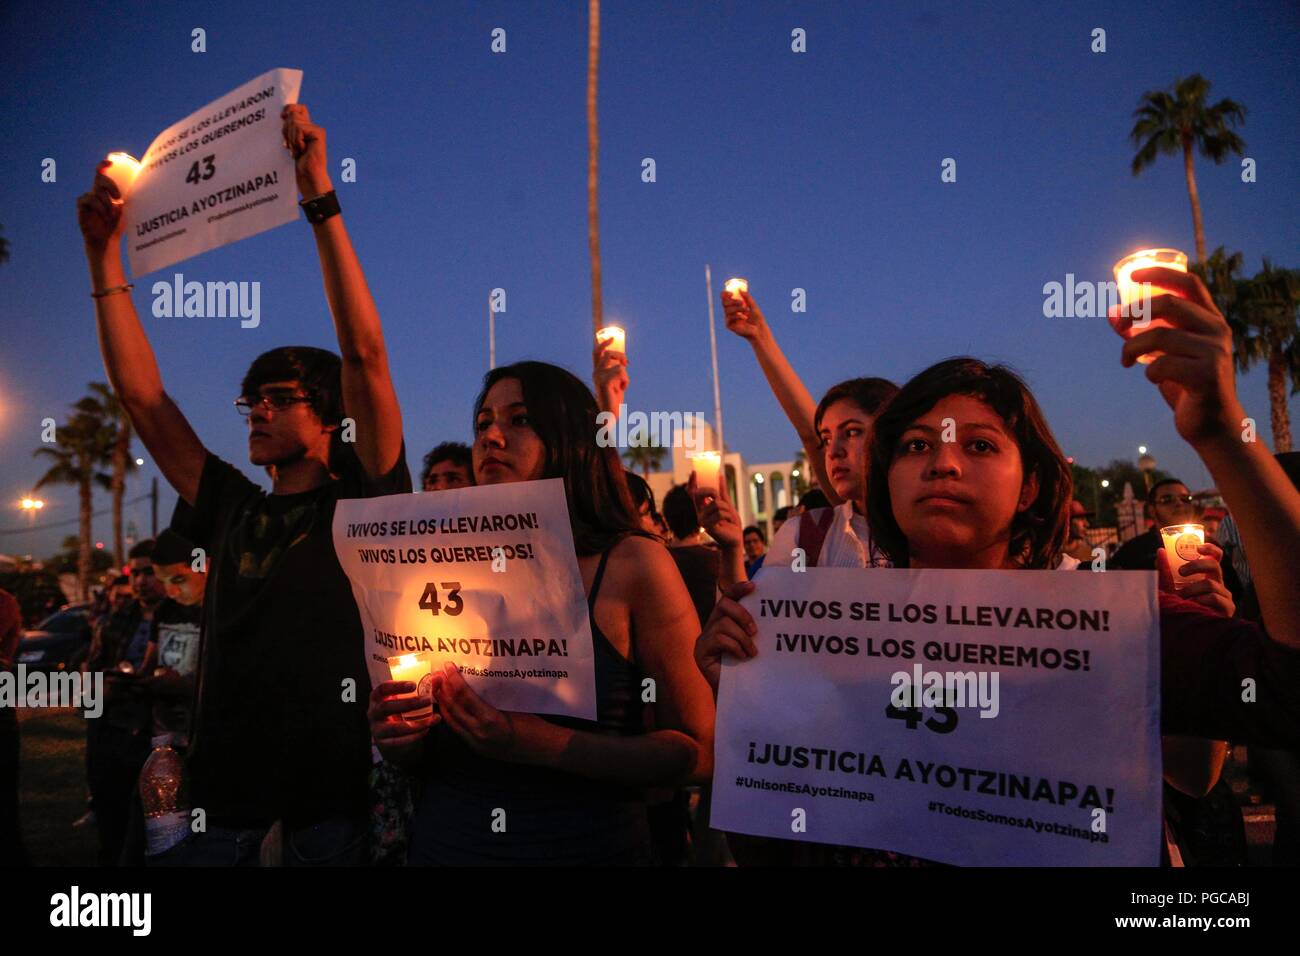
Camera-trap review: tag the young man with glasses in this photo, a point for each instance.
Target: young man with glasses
(280, 747)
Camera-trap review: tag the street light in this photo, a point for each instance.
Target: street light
(31, 506)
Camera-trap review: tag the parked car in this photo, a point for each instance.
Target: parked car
(60, 642)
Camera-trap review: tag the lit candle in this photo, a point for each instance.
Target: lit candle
(1182, 544)
(616, 337)
(418, 669)
(123, 170)
(707, 466)
(736, 286)
(1130, 291)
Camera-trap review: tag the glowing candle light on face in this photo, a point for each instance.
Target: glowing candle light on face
(122, 170)
(1131, 291)
(736, 286)
(708, 466)
(1182, 544)
(418, 669)
(616, 337)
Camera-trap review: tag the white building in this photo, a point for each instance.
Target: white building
(757, 490)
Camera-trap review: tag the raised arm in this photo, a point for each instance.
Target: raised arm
(128, 357)
(1195, 376)
(746, 320)
(368, 394)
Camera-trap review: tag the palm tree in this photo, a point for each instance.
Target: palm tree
(1179, 121)
(102, 403)
(593, 150)
(643, 455)
(81, 447)
(1262, 312)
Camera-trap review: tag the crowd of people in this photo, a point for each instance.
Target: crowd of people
(229, 663)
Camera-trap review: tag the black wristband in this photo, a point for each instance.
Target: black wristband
(321, 208)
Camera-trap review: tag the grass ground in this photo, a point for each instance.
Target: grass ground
(52, 787)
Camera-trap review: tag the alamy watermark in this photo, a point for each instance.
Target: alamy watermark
(655, 430)
(36, 688)
(1093, 300)
(208, 300)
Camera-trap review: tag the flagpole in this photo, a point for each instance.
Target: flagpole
(713, 348)
(492, 335)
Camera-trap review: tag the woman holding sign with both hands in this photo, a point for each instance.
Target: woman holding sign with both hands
(516, 788)
(998, 497)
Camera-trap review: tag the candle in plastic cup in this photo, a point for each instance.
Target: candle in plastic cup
(1182, 544)
(616, 336)
(736, 286)
(123, 170)
(418, 669)
(1130, 291)
(707, 465)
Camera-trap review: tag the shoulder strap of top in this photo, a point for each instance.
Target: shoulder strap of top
(595, 582)
(812, 533)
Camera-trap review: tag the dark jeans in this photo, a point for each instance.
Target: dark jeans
(114, 757)
(339, 841)
(11, 840)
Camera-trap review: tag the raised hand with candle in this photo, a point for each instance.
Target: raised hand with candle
(398, 738)
(1196, 379)
(718, 516)
(1199, 580)
(1194, 372)
(609, 374)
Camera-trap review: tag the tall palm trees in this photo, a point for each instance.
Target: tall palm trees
(642, 455)
(1180, 121)
(593, 149)
(80, 449)
(1264, 314)
(103, 404)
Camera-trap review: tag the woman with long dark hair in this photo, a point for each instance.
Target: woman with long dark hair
(573, 791)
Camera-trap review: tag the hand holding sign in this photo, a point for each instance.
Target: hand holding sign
(306, 143)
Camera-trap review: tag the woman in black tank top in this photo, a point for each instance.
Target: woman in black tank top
(515, 788)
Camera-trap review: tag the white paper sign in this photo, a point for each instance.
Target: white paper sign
(220, 175)
(1046, 751)
(485, 577)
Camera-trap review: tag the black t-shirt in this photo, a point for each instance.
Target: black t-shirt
(273, 736)
(1137, 554)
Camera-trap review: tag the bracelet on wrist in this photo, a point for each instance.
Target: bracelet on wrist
(321, 208)
(112, 290)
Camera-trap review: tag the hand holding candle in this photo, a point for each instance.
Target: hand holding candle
(122, 169)
(1182, 544)
(1131, 292)
(615, 336)
(736, 286)
(416, 668)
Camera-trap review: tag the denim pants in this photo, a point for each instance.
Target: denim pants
(338, 841)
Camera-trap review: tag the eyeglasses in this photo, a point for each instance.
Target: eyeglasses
(275, 401)
(142, 572)
(1172, 499)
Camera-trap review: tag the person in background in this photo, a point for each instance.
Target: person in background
(448, 466)
(11, 633)
(698, 560)
(1077, 545)
(117, 742)
(1168, 502)
(643, 497)
(755, 550)
(1211, 520)
(784, 514)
